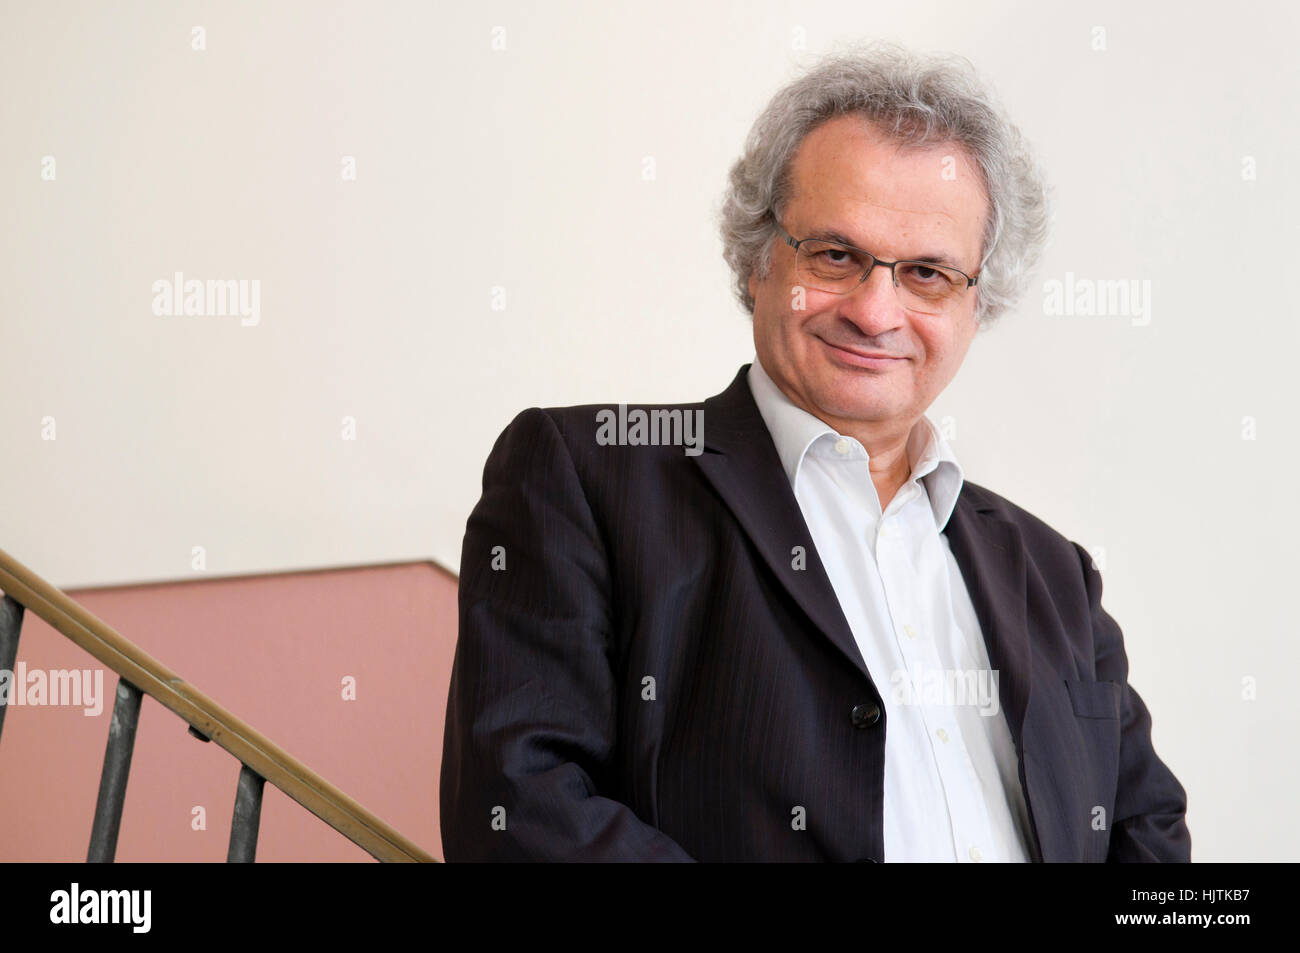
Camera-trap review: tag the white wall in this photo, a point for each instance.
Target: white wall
(523, 168)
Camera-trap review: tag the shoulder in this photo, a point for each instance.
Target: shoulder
(594, 434)
(610, 450)
(584, 420)
(581, 421)
(1040, 538)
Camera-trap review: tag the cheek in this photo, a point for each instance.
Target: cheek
(936, 349)
(943, 354)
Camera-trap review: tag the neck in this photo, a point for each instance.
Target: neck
(886, 450)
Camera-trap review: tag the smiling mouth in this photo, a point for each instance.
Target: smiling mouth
(861, 358)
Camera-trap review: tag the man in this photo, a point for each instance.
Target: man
(814, 640)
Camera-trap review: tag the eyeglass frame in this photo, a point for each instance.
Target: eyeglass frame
(795, 243)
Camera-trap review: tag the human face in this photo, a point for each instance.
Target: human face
(849, 178)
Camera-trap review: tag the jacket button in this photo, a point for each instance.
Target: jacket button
(864, 716)
(865, 860)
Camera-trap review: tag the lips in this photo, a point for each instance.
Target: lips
(857, 354)
(873, 355)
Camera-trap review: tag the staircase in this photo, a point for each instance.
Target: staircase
(259, 758)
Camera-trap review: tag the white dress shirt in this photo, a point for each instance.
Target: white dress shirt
(952, 786)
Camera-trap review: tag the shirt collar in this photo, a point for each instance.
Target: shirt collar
(794, 430)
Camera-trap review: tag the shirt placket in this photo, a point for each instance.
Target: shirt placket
(897, 545)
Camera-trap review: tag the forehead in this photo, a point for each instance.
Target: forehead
(894, 200)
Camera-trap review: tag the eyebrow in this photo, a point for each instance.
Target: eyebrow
(831, 235)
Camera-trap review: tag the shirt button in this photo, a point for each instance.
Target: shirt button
(943, 735)
(975, 854)
(842, 446)
(864, 716)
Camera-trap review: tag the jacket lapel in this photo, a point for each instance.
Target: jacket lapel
(990, 552)
(741, 462)
(991, 556)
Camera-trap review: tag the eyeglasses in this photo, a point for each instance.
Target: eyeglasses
(921, 285)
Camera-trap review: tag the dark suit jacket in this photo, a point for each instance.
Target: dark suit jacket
(626, 564)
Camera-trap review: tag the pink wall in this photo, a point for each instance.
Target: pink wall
(273, 650)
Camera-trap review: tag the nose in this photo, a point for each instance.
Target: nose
(873, 305)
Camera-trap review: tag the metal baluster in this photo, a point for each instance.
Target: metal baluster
(112, 782)
(11, 622)
(247, 817)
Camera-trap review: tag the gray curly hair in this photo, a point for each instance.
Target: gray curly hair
(915, 99)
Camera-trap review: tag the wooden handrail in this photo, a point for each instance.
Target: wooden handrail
(267, 759)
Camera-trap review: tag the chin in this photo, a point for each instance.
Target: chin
(852, 404)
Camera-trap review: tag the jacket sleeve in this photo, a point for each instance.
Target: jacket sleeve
(1149, 821)
(532, 713)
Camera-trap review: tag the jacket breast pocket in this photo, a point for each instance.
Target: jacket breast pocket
(1093, 699)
